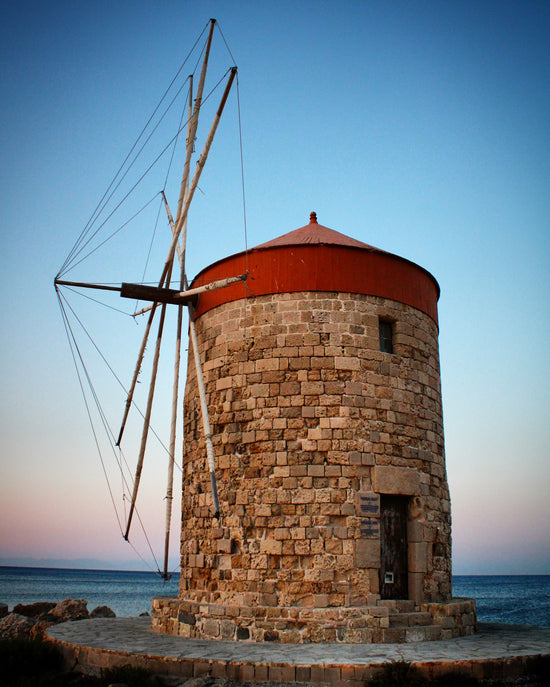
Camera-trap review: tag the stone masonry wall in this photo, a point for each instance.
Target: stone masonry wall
(311, 422)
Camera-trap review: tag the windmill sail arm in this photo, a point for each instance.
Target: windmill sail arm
(142, 292)
(178, 297)
(156, 294)
(85, 285)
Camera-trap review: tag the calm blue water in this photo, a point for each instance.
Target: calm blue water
(522, 599)
(517, 599)
(127, 593)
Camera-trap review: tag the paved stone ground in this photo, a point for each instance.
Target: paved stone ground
(134, 635)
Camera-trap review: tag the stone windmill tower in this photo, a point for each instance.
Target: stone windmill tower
(323, 387)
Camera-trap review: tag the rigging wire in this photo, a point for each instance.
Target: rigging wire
(180, 127)
(138, 516)
(96, 300)
(71, 340)
(150, 249)
(111, 370)
(101, 412)
(242, 174)
(227, 46)
(113, 234)
(66, 268)
(84, 240)
(101, 204)
(77, 355)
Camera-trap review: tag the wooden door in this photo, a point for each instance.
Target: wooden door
(393, 545)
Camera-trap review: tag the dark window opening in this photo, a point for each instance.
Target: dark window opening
(386, 336)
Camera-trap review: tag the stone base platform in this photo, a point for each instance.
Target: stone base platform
(384, 622)
(495, 652)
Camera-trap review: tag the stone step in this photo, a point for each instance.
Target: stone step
(413, 619)
(422, 633)
(417, 633)
(397, 605)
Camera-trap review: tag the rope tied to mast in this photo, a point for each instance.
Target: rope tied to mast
(85, 246)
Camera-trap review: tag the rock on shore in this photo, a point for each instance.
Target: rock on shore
(29, 621)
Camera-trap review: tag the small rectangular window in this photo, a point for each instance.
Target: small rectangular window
(386, 336)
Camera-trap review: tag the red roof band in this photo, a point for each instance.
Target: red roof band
(316, 258)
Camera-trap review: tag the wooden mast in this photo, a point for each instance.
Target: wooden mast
(177, 357)
(165, 277)
(161, 295)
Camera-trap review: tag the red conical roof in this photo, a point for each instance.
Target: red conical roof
(316, 258)
(314, 233)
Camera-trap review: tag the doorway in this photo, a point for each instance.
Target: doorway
(393, 547)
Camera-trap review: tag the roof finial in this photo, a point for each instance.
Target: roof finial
(313, 218)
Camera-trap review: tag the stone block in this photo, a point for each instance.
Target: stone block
(289, 388)
(415, 531)
(224, 545)
(389, 479)
(367, 553)
(312, 388)
(346, 363)
(416, 586)
(271, 546)
(415, 634)
(417, 557)
(224, 383)
(316, 470)
(211, 628)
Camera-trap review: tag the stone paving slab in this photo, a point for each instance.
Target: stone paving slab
(135, 636)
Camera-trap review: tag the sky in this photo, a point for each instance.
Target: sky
(422, 128)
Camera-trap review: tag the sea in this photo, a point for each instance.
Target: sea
(510, 599)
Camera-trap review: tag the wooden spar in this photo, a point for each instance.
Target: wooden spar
(204, 411)
(194, 125)
(161, 294)
(177, 297)
(171, 222)
(136, 373)
(198, 367)
(165, 279)
(143, 292)
(146, 419)
(102, 287)
(194, 183)
(172, 445)
(177, 362)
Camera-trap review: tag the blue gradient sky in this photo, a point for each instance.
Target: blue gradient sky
(422, 128)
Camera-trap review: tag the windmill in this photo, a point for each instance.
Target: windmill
(161, 296)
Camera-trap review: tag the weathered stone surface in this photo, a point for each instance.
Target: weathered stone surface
(186, 618)
(102, 612)
(39, 629)
(367, 553)
(15, 626)
(311, 424)
(205, 681)
(3, 610)
(387, 479)
(35, 610)
(70, 609)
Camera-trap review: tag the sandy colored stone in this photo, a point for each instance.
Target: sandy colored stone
(307, 414)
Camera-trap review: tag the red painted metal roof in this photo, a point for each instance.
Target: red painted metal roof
(316, 258)
(314, 233)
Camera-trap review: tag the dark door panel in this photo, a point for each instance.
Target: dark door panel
(393, 544)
